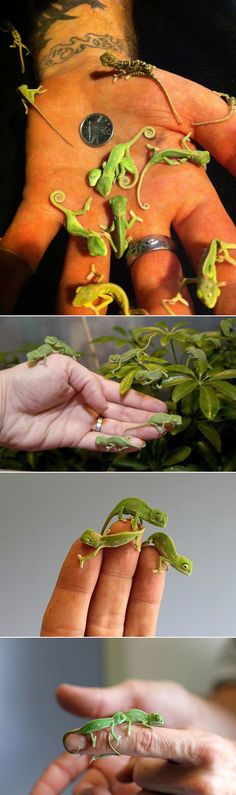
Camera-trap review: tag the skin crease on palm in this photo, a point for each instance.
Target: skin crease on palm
(204, 751)
(182, 195)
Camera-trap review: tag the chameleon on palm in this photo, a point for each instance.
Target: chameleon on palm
(117, 166)
(172, 157)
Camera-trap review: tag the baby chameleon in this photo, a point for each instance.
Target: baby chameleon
(132, 716)
(120, 442)
(98, 541)
(140, 511)
(107, 292)
(159, 421)
(119, 162)
(95, 243)
(51, 345)
(166, 548)
(119, 242)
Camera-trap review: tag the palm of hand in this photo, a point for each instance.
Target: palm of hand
(173, 192)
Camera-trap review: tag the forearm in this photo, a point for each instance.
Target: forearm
(70, 32)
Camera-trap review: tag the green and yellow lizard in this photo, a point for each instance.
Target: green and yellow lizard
(118, 241)
(140, 511)
(86, 295)
(51, 345)
(159, 421)
(28, 97)
(208, 287)
(99, 541)
(96, 244)
(172, 157)
(119, 164)
(132, 716)
(168, 554)
(113, 442)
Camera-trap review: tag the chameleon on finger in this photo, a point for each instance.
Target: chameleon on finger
(99, 541)
(158, 421)
(51, 345)
(131, 716)
(208, 287)
(28, 97)
(111, 442)
(96, 244)
(140, 511)
(119, 242)
(168, 553)
(137, 68)
(172, 157)
(119, 162)
(231, 102)
(107, 293)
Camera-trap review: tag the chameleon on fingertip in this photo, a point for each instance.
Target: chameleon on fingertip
(158, 421)
(168, 554)
(131, 717)
(99, 541)
(139, 510)
(118, 241)
(121, 442)
(86, 295)
(208, 286)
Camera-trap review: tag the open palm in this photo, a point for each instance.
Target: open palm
(182, 196)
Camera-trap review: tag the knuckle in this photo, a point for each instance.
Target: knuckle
(212, 749)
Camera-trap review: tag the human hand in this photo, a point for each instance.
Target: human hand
(56, 404)
(186, 197)
(115, 594)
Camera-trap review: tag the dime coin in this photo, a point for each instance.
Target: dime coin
(96, 129)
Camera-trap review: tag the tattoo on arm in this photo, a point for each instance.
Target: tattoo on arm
(76, 44)
(56, 12)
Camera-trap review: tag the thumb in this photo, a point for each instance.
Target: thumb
(88, 385)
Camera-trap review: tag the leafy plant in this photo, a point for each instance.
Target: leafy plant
(195, 373)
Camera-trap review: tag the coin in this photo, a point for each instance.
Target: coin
(96, 129)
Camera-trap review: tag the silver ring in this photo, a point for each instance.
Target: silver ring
(146, 244)
(98, 426)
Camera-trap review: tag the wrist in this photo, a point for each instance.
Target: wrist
(63, 60)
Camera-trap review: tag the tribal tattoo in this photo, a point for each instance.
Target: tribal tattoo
(62, 52)
(56, 13)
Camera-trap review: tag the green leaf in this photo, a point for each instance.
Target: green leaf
(208, 402)
(177, 456)
(180, 368)
(179, 429)
(222, 374)
(211, 435)
(127, 381)
(183, 389)
(208, 455)
(228, 390)
(173, 380)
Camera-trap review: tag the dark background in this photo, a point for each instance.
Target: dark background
(193, 39)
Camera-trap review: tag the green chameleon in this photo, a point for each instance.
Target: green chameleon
(51, 345)
(136, 68)
(168, 553)
(119, 242)
(107, 292)
(158, 421)
(28, 96)
(111, 442)
(140, 511)
(208, 287)
(132, 716)
(99, 541)
(96, 244)
(172, 157)
(119, 162)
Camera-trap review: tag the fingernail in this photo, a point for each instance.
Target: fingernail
(75, 743)
(142, 445)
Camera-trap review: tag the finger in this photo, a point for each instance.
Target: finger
(133, 398)
(85, 382)
(161, 776)
(21, 249)
(66, 613)
(145, 597)
(101, 701)
(78, 265)
(115, 427)
(106, 615)
(59, 774)
(99, 778)
(127, 415)
(88, 442)
(197, 226)
(217, 138)
(175, 745)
